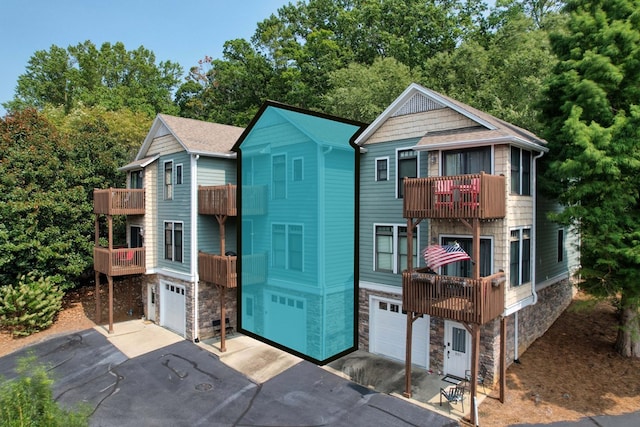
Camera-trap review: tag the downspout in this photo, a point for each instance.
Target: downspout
(534, 232)
(194, 244)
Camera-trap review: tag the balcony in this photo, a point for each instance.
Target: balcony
(455, 298)
(217, 200)
(119, 262)
(221, 270)
(118, 201)
(479, 196)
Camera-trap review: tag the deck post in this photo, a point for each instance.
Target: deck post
(407, 357)
(98, 304)
(503, 358)
(223, 320)
(110, 280)
(475, 357)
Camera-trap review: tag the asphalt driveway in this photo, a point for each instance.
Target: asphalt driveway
(184, 385)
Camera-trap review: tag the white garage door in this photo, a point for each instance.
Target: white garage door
(387, 331)
(172, 305)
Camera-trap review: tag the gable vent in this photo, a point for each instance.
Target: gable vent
(418, 103)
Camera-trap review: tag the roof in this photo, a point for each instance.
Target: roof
(489, 129)
(196, 136)
(140, 163)
(323, 129)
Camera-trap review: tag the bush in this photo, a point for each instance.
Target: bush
(28, 400)
(29, 306)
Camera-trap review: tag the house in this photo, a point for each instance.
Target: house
(180, 223)
(333, 218)
(435, 171)
(303, 231)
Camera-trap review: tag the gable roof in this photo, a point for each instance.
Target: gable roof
(195, 136)
(489, 129)
(321, 128)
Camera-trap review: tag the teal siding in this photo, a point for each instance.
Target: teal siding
(547, 263)
(379, 205)
(216, 171)
(178, 210)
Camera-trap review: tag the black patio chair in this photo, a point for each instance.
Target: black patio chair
(453, 395)
(482, 374)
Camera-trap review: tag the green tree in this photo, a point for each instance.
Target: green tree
(111, 77)
(361, 92)
(592, 111)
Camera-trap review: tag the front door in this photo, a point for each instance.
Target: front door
(151, 302)
(457, 349)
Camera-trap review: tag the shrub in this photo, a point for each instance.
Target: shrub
(28, 400)
(29, 306)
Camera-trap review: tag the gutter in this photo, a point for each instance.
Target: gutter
(194, 244)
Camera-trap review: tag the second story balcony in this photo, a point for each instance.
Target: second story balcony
(461, 299)
(217, 200)
(118, 201)
(119, 262)
(479, 196)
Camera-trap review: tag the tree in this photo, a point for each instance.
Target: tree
(43, 207)
(111, 77)
(361, 92)
(592, 112)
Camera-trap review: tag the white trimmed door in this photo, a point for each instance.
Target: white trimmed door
(172, 307)
(457, 349)
(387, 332)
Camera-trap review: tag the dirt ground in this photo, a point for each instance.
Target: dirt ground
(569, 373)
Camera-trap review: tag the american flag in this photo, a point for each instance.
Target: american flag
(436, 256)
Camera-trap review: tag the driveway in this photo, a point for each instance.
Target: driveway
(179, 383)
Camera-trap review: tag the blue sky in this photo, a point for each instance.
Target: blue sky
(177, 31)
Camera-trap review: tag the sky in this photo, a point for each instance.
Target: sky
(179, 31)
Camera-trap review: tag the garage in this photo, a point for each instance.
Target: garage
(387, 332)
(172, 305)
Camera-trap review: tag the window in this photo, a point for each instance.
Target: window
(287, 247)
(520, 256)
(520, 171)
(279, 177)
(178, 174)
(382, 169)
(407, 168)
(465, 268)
(462, 162)
(173, 241)
(297, 169)
(391, 248)
(136, 179)
(560, 245)
(168, 180)
(135, 233)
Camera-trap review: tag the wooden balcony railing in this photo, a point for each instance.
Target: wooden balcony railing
(254, 199)
(118, 201)
(254, 269)
(119, 262)
(456, 298)
(217, 200)
(462, 196)
(220, 270)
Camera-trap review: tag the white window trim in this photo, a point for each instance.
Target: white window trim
(293, 169)
(286, 243)
(469, 236)
(520, 229)
(164, 180)
(173, 244)
(286, 187)
(396, 244)
(179, 165)
(398, 164)
(375, 168)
